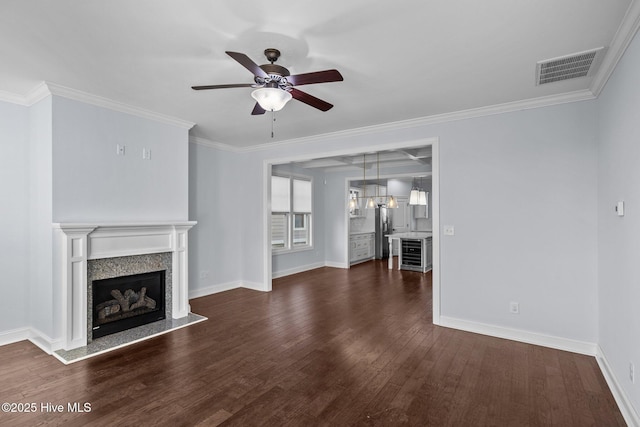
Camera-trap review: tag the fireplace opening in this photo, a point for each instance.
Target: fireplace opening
(125, 302)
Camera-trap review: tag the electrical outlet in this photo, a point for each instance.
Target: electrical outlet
(632, 372)
(449, 230)
(514, 308)
(146, 154)
(204, 274)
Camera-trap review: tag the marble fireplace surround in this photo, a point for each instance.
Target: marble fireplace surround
(82, 242)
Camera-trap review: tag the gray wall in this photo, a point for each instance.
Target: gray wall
(112, 187)
(520, 188)
(14, 208)
(214, 201)
(618, 241)
(40, 215)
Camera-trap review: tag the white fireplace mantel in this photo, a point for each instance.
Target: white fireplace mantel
(82, 242)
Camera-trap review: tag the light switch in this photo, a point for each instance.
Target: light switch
(120, 149)
(620, 208)
(449, 230)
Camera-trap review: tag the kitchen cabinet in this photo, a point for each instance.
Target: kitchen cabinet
(415, 251)
(361, 247)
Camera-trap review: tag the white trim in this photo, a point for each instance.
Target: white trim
(44, 89)
(213, 144)
(38, 93)
(43, 341)
(213, 289)
(13, 98)
(334, 264)
(622, 399)
(435, 228)
(256, 286)
(559, 343)
(267, 253)
(507, 107)
(296, 270)
(110, 104)
(626, 32)
(14, 335)
(36, 337)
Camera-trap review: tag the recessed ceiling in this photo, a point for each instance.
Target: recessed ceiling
(410, 157)
(400, 61)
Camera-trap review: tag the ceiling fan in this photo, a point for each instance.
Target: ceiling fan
(275, 85)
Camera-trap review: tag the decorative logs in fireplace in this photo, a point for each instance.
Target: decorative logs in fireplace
(123, 304)
(127, 301)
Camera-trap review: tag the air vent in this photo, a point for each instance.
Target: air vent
(572, 66)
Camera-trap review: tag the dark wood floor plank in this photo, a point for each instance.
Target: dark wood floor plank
(327, 347)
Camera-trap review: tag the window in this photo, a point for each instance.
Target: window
(290, 212)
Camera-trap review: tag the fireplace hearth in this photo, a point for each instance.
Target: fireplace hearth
(125, 302)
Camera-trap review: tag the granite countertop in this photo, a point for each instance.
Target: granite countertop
(411, 235)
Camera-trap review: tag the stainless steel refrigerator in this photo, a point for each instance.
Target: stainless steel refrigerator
(382, 229)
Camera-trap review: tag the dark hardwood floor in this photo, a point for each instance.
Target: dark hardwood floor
(327, 347)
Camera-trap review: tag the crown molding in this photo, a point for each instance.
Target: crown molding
(13, 98)
(37, 94)
(212, 144)
(623, 37)
(110, 104)
(508, 107)
(45, 89)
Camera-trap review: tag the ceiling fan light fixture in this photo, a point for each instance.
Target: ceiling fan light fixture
(271, 98)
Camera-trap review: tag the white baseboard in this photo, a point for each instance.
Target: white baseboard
(624, 404)
(550, 341)
(256, 286)
(39, 339)
(336, 264)
(14, 335)
(209, 290)
(43, 341)
(296, 270)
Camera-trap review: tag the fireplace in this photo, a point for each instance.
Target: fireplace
(124, 302)
(91, 252)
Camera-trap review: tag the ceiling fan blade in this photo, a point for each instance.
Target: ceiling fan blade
(310, 100)
(257, 109)
(221, 86)
(315, 77)
(247, 63)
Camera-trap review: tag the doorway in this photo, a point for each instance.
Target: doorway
(338, 254)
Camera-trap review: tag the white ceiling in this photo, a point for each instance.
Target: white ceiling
(400, 60)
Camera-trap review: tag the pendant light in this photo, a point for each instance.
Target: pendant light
(414, 196)
(422, 195)
(418, 196)
(372, 201)
(422, 198)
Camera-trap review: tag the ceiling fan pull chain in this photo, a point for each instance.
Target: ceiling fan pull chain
(273, 121)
